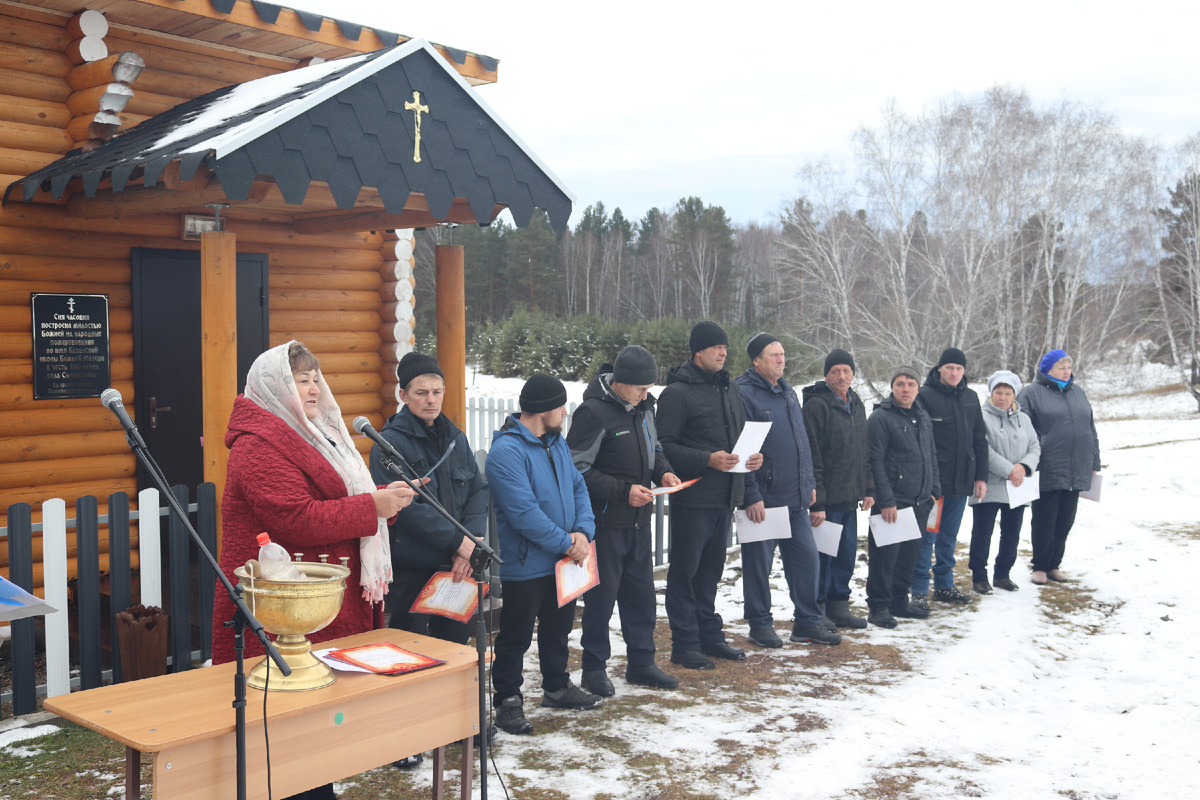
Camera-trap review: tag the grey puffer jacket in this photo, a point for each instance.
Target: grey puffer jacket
(1063, 419)
(1011, 440)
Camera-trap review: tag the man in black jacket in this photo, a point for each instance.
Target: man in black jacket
(614, 444)
(962, 455)
(836, 420)
(423, 541)
(904, 468)
(700, 417)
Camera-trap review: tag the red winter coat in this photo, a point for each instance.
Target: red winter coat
(281, 484)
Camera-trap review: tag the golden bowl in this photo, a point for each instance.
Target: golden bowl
(292, 610)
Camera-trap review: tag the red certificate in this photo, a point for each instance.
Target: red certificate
(934, 523)
(444, 597)
(384, 658)
(573, 579)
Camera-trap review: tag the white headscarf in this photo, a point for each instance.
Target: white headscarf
(270, 386)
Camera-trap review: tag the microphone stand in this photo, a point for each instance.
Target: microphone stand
(242, 618)
(481, 557)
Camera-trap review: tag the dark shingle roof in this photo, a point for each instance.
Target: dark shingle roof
(344, 123)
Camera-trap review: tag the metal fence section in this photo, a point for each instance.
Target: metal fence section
(486, 414)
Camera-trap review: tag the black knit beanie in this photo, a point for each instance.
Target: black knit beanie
(414, 364)
(757, 343)
(542, 392)
(836, 357)
(706, 334)
(635, 366)
(952, 355)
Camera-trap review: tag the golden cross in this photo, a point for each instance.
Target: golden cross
(416, 107)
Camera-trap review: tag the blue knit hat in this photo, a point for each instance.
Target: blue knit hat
(1049, 360)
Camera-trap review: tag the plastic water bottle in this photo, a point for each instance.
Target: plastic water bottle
(274, 560)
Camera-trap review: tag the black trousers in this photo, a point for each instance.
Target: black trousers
(889, 572)
(698, 538)
(406, 585)
(1049, 524)
(984, 521)
(626, 566)
(527, 602)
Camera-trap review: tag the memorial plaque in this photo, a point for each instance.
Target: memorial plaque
(70, 345)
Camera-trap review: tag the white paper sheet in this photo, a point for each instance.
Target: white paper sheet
(1093, 493)
(828, 536)
(777, 525)
(903, 529)
(16, 603)
(749, 443)
(1027, 492)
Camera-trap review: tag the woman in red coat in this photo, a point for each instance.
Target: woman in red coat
(295, 473)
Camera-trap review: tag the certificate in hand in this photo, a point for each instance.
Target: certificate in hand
(828, 536)
(384, 658)
(1093, 492)
(777, 524)
(749, 443)
(903, 529)
(1026, 493)
(444, 597)
(661, 490)
(573, 579)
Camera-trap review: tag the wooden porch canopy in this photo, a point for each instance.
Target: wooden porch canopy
(395, 138)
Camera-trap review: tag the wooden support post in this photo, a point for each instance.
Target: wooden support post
(452, 329)
(218, 347)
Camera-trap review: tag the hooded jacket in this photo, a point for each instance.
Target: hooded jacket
(840, 454)
(786, 475)
(958, 432)
(700, 413)
(540, 499)
(279, 483)
(422, 539)
(615, 445)
(1011, 440)
(903, 459)
(1063, 419)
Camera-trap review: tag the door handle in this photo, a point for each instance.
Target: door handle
(155, 408)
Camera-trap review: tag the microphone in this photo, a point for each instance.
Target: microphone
(363, 425)
(111, 399)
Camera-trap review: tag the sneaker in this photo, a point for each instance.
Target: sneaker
(982, 587)
(951, 595)
(909, 611)
(881, 617)
(510, 716)
(596, 681)
(651, 676)
(814, 634)
(692, 659)
(1038, 577)
(826, 622)
(570, 696)
(1057, 576)
(1006, 584)
(921, 601)
(723, 650)
(765, 637)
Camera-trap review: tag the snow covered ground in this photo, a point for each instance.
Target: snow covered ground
(1085, 690)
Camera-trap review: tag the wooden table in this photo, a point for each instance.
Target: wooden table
(362, 721)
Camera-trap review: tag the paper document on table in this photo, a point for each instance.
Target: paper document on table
(16, 603)
(1027, 492)
(384, 658)
(828, 536)
(902, 530)
(749, 443)
(442, 596)
(777, 525)
(1093, 493)
(573, 579)
(658, 491)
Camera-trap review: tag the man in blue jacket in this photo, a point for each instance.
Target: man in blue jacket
(785, 479)
(542, 514)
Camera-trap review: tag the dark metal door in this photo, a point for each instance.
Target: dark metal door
(166, 352)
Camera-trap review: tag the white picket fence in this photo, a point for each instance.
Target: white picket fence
(485, 415)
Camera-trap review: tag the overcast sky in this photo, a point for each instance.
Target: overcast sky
(638, 104)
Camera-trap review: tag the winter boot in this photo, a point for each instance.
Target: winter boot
(838, 612)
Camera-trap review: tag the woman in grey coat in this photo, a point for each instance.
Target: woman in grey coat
(1013, 452)
(1063, 419)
